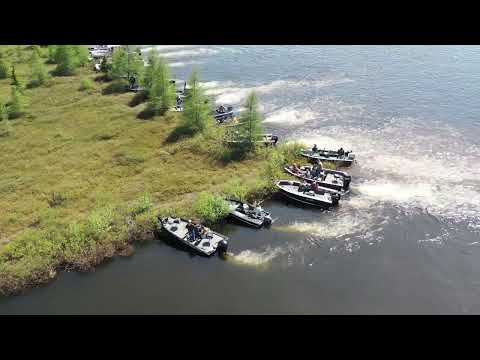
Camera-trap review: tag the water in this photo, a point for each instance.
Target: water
(406, 241)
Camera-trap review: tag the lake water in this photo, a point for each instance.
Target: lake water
(407, 239)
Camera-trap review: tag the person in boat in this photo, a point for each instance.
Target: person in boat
(308, 173)
(303, 187)
(191, 230)
(221, 109)
(274, 140)
(314, 148)
(314, 187)
(295, 168)
(317, 169)
(198, 231)
(341, 152)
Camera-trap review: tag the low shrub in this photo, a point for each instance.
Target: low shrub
(57, 199)
(99, 222)
(86, 85)
(143, 204)
(210, 207)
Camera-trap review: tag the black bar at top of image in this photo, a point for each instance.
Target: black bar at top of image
(271, 24)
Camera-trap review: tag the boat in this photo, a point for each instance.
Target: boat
(251, 215)
(345, 159)
(330, 179)
(269, 139)
(207, 244)
(304, 194)
(223, 113)
(236, 138)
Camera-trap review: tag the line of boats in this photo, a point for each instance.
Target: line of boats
(317, 186)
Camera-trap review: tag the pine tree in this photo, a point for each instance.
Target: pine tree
(5, 126)
(251, 120)
(52, 54)
(197, 111)
(126, 64)
(17, 103)
(65, 58)
(104, 66)
(14, 77)
(149, 73)
(38, 73)
(81, 54)
(3, 70)
(158, 88)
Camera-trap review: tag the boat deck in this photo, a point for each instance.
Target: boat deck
(206, 245)
(292, 188)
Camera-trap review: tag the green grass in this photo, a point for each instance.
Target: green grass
(83, 176)
(211, 207)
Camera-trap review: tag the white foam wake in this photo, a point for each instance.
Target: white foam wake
(190, 53)
(290, 116)
(227, 93)
(257, 258)
(412, 164)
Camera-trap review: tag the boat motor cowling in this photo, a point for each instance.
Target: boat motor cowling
(222, 247)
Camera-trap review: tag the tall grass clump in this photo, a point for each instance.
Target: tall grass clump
(99, 222)
(237, 190)
(86, 85)
(211, 207)
(143, 204)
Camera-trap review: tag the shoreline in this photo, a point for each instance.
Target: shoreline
(83, 185)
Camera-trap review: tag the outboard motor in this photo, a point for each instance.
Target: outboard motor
(222, 247)
(346, 182)
(267, 220)
(335, 198)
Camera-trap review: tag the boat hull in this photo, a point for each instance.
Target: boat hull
(244, 219)
(183, 239)
(300, 197)
(343, 161)
(334, 188)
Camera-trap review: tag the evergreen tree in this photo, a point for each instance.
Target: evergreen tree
(251, 120)
(81, 54)
(17, 103)
(126, 64)
(52, 54)
(158, 88)
(150, 70)
(5, 126)
(197, 111)
(66, 60)
(104, 66)
(3, 69)
(14, 77)
(3, 111)
(38, 73)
